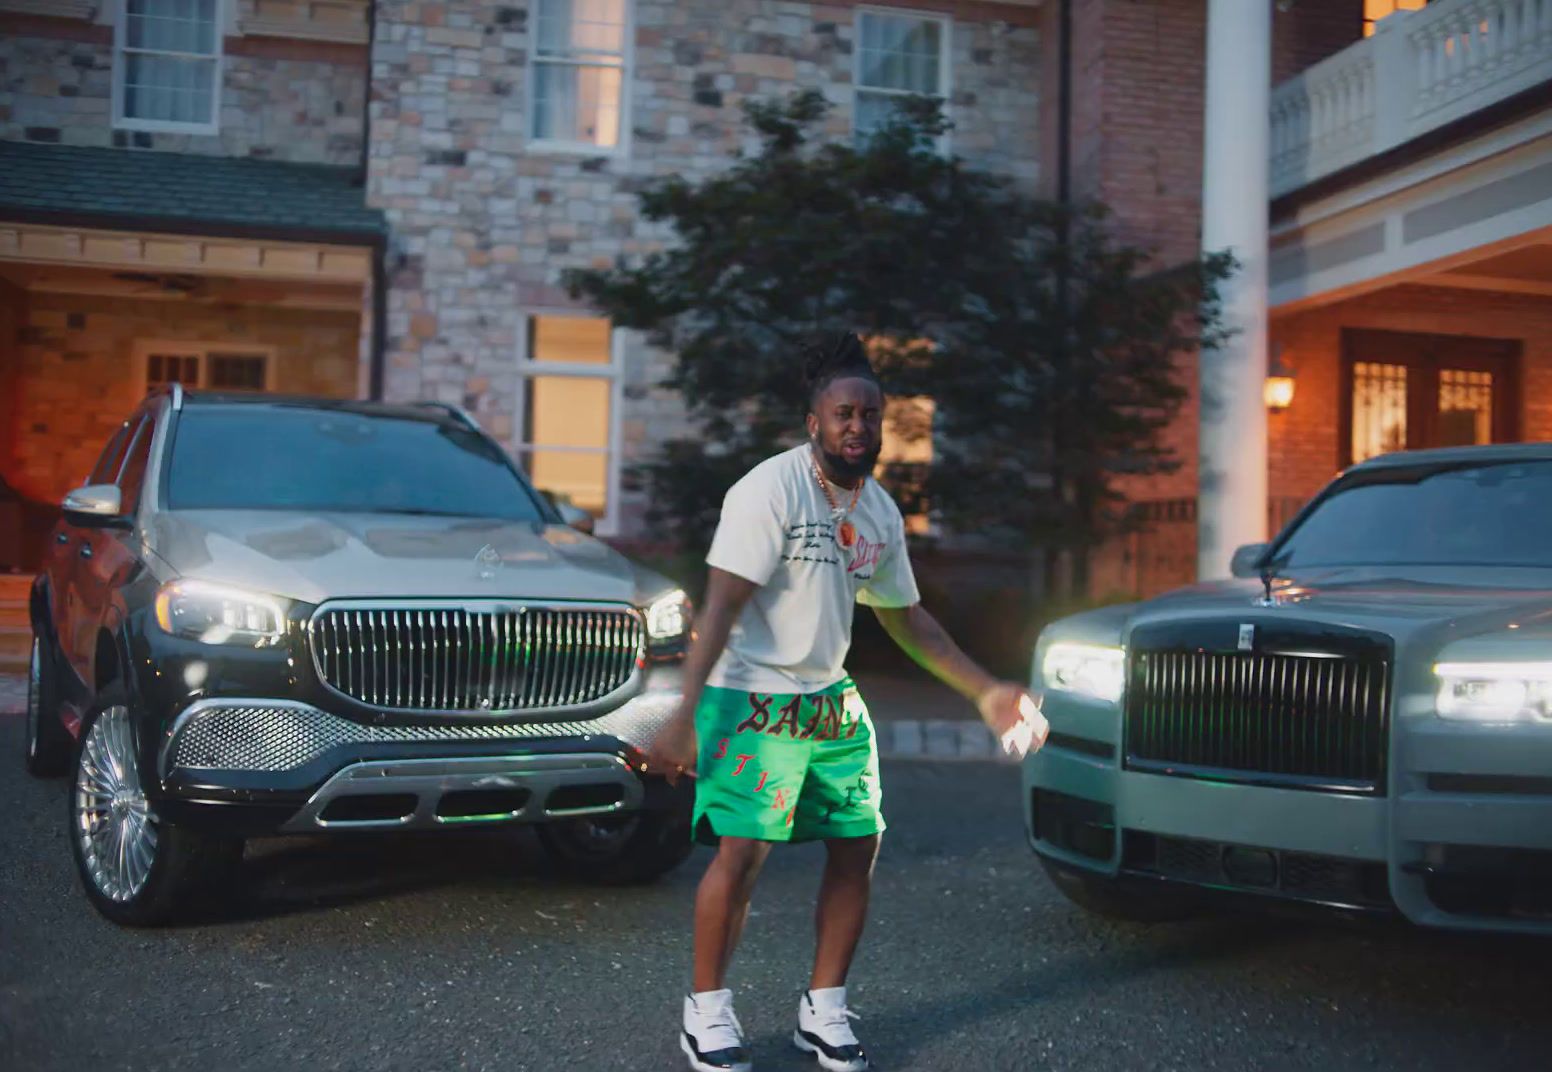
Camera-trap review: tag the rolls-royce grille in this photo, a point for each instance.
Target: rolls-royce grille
(1308, 719)
(470, 658)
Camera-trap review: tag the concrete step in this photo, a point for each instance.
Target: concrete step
(15, 649)
(15, 588)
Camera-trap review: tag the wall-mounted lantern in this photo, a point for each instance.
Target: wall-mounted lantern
(1279, 383)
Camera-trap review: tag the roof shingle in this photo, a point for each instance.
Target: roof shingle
(216, 195)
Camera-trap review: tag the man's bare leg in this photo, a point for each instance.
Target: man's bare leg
(722, 906)
(843, 907)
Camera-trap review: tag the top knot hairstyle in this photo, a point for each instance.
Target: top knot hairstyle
(840, 357)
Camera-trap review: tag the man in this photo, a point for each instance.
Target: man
(781, 743)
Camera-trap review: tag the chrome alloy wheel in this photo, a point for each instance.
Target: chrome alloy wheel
(34, 698)
(113, 824)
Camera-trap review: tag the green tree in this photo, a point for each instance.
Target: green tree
(1049, 350)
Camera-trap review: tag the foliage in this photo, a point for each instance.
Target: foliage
(1048, 349)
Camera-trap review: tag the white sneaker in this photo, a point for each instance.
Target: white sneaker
(824, 1030)
(712, 1038)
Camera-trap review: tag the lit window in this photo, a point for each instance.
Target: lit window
(899, 55)
(908, 443)
(1375, 10)
(167, 65)
(202, 365)
(569, 413)
(577, 96)
(1379, 409)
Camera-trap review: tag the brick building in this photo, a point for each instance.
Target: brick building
(356, 198)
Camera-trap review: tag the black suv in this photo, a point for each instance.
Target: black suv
(268, 616)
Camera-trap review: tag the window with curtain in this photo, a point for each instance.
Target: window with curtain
(567, 444)
(580, 49)
(167, 65)
(899, 55)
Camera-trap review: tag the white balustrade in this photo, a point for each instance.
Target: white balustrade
(1419, 71)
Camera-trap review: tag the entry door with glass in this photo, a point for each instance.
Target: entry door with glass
(1404, 391)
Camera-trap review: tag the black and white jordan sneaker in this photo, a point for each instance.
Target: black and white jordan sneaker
(712, 1038)
(824, 1030)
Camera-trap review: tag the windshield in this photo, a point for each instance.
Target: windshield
(1489, 515)
(275, 458)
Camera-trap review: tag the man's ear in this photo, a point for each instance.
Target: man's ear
(813, 426)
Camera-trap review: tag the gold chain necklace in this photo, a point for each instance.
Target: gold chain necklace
(845, 531)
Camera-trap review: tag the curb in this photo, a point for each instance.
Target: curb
(935, 739)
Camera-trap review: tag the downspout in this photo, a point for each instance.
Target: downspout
(1053, 571)
(377, 361)
(1064, 103)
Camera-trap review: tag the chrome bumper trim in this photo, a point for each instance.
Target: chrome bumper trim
(428, 780)
(281, 735)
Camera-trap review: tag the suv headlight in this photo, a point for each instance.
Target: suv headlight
(1495, 692)
(1092, 670)
(214, 614)
(668, 617)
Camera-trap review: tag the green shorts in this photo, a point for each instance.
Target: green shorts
(786, 767)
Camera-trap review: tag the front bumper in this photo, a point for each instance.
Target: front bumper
(254, 766)
(1462, 838)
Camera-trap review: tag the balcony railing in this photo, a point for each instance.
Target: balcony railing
(1418, 72)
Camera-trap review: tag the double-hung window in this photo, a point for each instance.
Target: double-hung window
(570, 423)
(899, 54)
(167, 65)
(580, 74)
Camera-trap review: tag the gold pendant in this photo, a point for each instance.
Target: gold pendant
(846, 534)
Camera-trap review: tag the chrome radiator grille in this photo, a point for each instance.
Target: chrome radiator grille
(1314, 715)
(474, 657)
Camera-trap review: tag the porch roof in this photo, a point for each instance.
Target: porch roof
(127, 189)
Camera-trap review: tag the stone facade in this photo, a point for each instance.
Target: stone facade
(484, 224)
(281, 99)
(72, 374)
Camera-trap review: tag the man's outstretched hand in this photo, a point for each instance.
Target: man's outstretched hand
(1014, 717)
(672, 752)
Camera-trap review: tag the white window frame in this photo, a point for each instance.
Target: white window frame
(121, 70)
(627, 67)
(145, 349)
(945, 60)
(528, 369)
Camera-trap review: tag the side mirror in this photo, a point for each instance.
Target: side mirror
(576, 517)
(95, 506)
(1247, 560)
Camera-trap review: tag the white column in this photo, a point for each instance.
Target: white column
(1231, 482)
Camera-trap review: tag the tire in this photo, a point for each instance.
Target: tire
(163, 874)
(48, 743)
(618, 850)
(1110, 899)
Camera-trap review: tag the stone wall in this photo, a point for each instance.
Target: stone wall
(281, 99)
(483, 225)
(75, 376)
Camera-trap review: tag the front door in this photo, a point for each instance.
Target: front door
(1404, 391)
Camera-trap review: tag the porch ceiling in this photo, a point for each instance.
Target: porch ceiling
(183, 287)
(1527, 270)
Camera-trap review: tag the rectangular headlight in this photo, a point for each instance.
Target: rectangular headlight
(1494, 692)
(1092, 670)
(215, 614)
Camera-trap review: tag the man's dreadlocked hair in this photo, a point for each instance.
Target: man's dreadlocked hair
(840, 357)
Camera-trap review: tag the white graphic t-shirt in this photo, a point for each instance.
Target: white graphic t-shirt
(777, 531)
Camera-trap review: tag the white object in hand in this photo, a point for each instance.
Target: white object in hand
(1031, 725)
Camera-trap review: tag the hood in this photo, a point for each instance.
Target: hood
(1389, 598)
(314, 557)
